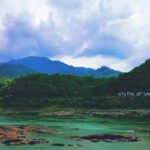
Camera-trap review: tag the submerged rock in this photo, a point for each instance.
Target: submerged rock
(69, 145)
(58, 144)
(23, 141)
(108, 138)
(13, 141)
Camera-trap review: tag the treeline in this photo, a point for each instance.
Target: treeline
(42, 90)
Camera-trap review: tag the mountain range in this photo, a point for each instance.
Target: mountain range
(127, 91)
(31, 65)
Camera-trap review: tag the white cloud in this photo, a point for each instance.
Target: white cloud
(115, 33)
(96, 62)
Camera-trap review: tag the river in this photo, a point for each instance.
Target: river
(79, 127)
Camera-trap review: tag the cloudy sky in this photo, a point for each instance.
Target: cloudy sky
(89, 33)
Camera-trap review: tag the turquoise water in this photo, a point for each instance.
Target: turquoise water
(86, 126)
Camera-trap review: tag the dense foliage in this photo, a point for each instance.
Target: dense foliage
(42, 90)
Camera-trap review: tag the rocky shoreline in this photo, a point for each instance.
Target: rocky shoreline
(18, 135)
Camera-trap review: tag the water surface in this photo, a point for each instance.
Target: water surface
(85, 126)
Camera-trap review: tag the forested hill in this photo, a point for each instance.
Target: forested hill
(137, 80)
(142, 71)
(42, 90)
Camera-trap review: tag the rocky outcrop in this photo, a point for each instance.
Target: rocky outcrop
(108, 138)
(17, 135)
(22, 141)
(58, 144)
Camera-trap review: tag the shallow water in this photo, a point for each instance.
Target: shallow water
(86, 126)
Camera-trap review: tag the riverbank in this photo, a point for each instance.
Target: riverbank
(77, 112)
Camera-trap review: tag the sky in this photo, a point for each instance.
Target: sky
(88, 33)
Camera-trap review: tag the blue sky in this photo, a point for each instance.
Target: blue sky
(89, 33)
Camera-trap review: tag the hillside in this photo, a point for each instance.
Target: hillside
(137, 80)
(142, 71)
(14, 70)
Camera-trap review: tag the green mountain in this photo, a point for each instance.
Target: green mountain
(137, 80)
(142, 71)
(14, 70)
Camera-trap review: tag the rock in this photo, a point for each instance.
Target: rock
(76, 128)
(23, 141)
(70, 145)
(17, 135)
(58, 144)
(37, 141)
(12, 141)
(108, 138)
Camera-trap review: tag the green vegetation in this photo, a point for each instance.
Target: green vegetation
(14, 70)
(43, 90)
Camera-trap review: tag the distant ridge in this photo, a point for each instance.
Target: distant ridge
(45, 65)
